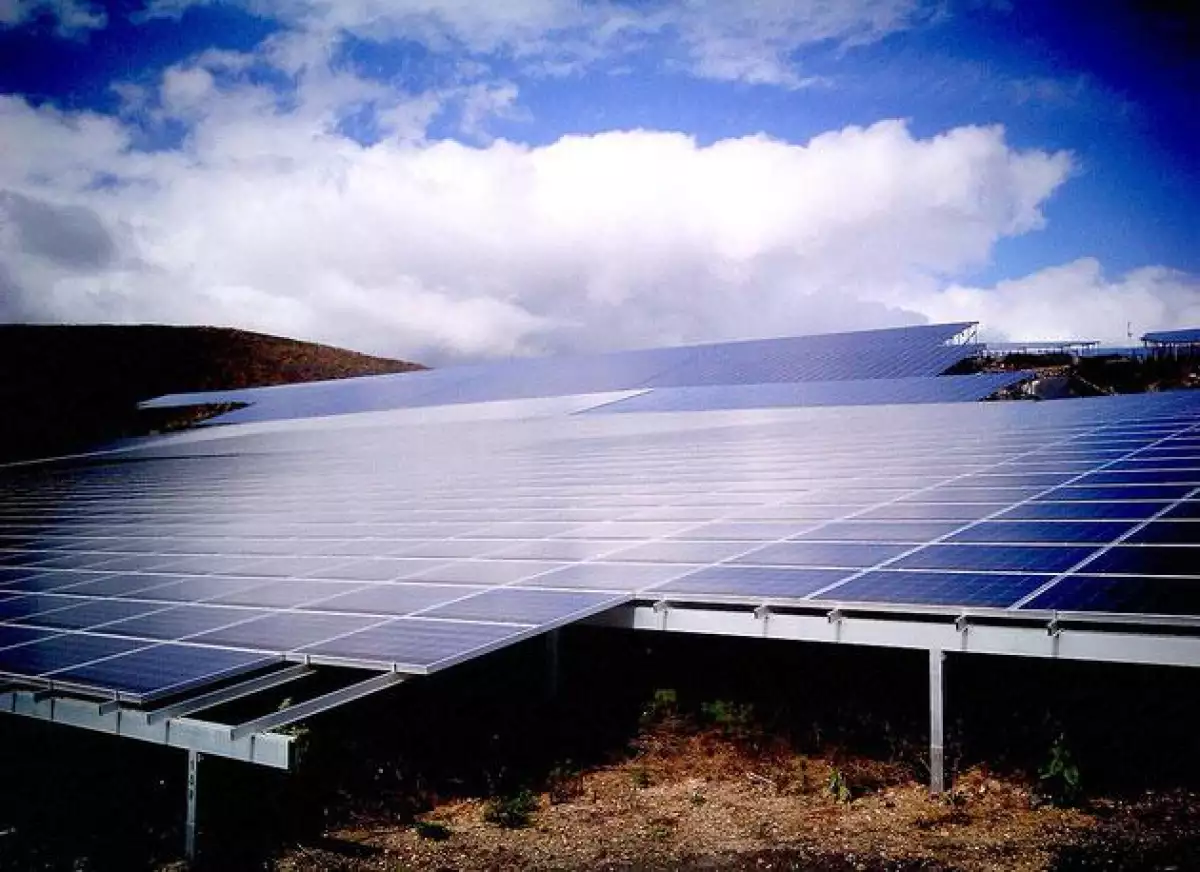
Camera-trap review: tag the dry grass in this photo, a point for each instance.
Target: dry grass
(707, 799)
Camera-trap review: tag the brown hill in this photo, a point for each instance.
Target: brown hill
(64, 388)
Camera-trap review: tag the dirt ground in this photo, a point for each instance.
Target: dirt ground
(688, 799)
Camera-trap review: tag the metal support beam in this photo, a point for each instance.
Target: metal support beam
(311, 707)
(937, 748)
(228, 694)
(189, 833)
(264, 749)
(1117, 643)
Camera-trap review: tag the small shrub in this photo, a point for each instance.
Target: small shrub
(513, 811)
(838, 787)
(663, 705)
(640, 776)
(435, 831)
(564, 783)
(733, 718)
(1059, 778)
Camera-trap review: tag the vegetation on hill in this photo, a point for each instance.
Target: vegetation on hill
(65, 388)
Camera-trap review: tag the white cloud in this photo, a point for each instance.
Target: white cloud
(754, 42)
(73, 17)
(270, 219)
(729, 40)
(1074, 301)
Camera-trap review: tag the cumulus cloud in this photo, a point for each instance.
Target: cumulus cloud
(268, 217)
(72, 17)
(1074, 301)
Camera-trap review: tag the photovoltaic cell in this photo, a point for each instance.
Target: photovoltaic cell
(55, 653)
(936, 588)
(522, 606)
(418, 644)
(753, 582)
(998, 558)
(1146, 560)
(284, 632)
(153, 673)
(181, 622)
(832, 554)
(1110, 593)
(1046, 532)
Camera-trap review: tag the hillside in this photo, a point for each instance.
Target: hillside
(65, 388)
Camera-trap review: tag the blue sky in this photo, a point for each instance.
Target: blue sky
(1056, 156)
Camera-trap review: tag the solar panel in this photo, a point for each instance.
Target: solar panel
(846, 392)
(331, 544)
(894, 353)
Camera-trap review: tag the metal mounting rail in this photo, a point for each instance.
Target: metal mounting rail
(228, 694)
(314, 706)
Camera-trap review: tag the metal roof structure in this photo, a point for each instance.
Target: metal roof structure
(896, 353)
(1174, 337)
(142, 586)
(1050, 346)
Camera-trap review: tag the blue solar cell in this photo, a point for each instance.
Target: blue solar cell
(1167, 533)
(867, 531)
(1187, 509)
(832, 554)
(17, 607)
(397, 599)
(54, 653)
(609, 576)
(936, 588)
(180, 622)
(1121, 492)
(197, 588)
(380, 569)
(681, 552)
(418, 644)
(1108, 593)
(288, 594)
(485, 572)
(998, 558)
(753, 582)
(153, 673)
(1046, 532)
(909, 511)
(11, 635)
(525, 606)
(1145, 560)
(284, 631)
(558, 549)
(1081, 511)
(85, 613)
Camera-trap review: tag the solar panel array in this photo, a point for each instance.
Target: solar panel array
(898, 353)
(194, 558)
(867, 392)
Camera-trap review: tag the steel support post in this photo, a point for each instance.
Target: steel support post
(189, 834)
(937, 751)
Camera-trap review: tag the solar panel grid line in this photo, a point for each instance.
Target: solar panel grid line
(1083, 564)
(1068, 440)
